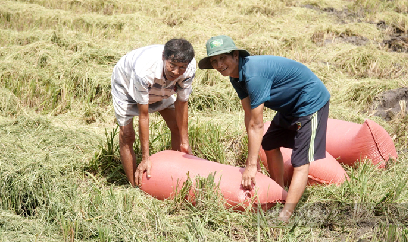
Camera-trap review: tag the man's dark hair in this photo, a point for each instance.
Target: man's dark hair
(178, 50)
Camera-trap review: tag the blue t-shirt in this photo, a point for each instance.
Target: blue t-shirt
(283, 85)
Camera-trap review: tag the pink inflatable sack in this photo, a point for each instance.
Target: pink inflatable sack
(169, 172)
(323, 171)
(350, 142)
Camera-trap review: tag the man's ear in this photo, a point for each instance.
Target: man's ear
(236, 53)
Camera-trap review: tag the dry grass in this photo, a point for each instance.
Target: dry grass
(60, 176)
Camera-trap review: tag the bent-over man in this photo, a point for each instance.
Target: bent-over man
(288, 87)
(145, 81)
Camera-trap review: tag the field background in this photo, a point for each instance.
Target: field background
(60, 175)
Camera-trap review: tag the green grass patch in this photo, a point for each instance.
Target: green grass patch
(60, 173)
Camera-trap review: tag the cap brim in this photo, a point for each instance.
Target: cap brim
(206, 64)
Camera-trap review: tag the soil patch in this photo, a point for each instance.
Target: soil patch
(398, 39)
(391, 103)
(398, 43)
(322, 39)
(343, 38)
(344, 15)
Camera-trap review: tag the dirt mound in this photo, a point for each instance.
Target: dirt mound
(321, 39)
(343, 38)
(391, 103)
(397, 43)
(397, 40)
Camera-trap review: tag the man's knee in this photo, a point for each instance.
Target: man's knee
(273, 152)
(169, 117)
(302, 168)
(127, 135)
(172, 124)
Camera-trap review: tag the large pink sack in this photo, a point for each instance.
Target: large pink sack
(350, 142)
(323, 171)
(169, 172)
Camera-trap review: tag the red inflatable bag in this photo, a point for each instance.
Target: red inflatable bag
(323, 171)
(169, 172)
(350, 142)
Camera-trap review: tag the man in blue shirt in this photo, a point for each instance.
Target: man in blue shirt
(288, 87)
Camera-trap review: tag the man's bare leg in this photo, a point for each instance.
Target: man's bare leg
(169, 115)
(275, 165)
(127, 154)
(296, 189)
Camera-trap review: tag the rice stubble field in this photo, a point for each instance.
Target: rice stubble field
(60, 174)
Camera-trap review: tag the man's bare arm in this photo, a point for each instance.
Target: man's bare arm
(145, 164)
(254, 125)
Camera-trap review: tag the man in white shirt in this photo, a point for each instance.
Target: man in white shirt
(145, 81)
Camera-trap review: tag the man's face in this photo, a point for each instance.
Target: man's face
(172, 69)
(225, 64)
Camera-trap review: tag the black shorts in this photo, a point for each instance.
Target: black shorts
(306, 136)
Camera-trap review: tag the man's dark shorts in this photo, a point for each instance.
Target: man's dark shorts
(306, 136)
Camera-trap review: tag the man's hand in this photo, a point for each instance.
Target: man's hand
(248, 177)
(145, 165)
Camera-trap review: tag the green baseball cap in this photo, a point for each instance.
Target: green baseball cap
(219, 45)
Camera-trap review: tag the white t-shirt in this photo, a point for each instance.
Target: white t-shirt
(138, 77)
